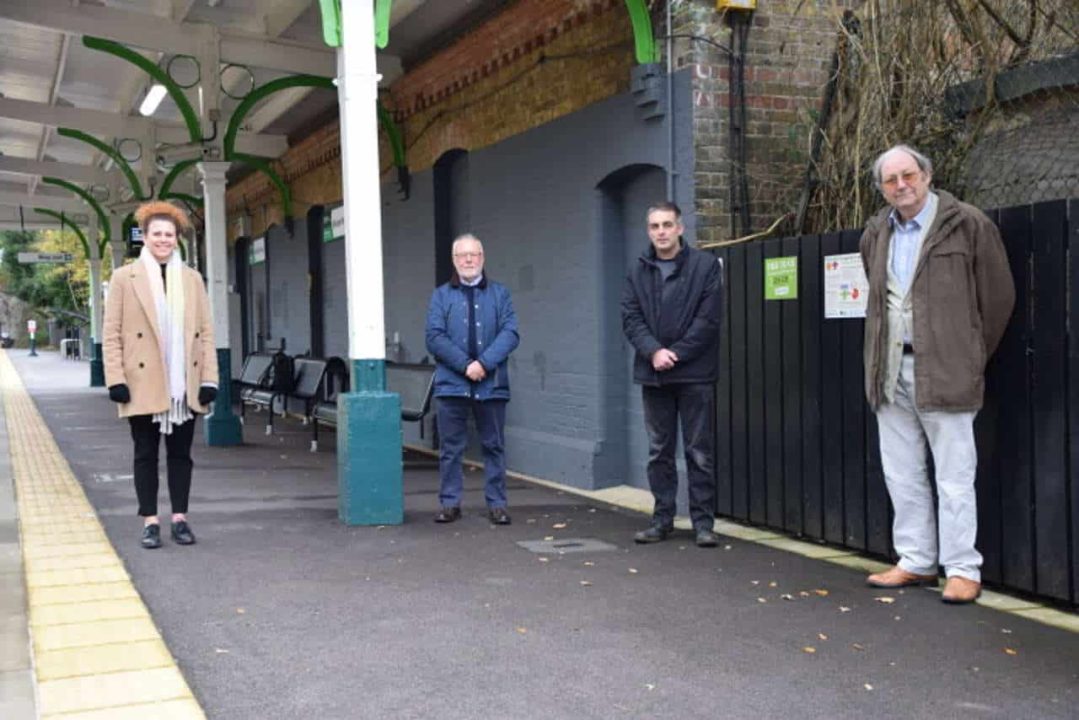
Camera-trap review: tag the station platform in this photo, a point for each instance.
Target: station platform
(280, 611)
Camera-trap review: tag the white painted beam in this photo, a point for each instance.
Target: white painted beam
(52, 202)
(67, 171)
(156, 33)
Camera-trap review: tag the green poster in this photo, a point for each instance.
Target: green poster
(781, 278)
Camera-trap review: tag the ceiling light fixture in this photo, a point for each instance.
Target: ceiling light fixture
(152, 100)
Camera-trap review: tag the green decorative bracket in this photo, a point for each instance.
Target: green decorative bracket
(102, 218)
(191, 118)
(166, 185)
(331, 22)
(69, 224)
(643, 39)
(264, 167)
(382, 23)
(112, 152)
(257, 95)
(393, 132)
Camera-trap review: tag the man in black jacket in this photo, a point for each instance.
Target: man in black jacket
(670, 314)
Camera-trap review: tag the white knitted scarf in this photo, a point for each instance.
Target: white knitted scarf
(169, 302)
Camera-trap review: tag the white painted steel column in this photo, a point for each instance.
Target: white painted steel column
(118, 243)
(96, 306)
(212, 175)
(357, 92)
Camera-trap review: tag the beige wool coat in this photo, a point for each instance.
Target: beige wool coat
(130, 341)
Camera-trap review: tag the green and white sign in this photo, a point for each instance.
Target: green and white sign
(257, 252)
(781, 278)
(333, 224)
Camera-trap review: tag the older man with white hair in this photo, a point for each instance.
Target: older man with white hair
(471, 331)
(940, 296)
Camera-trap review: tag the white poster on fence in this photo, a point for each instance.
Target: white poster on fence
(846, 289)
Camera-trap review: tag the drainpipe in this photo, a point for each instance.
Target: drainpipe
(670, 106)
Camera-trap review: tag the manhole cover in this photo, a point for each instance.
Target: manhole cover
(566, 545)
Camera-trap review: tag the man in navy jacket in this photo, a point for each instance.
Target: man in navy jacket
(670, 314)
(471, 330)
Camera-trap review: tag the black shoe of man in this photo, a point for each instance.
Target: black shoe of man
(448, 514)
(499, 516)
(151, 536)
(706, 538)
(654, 534)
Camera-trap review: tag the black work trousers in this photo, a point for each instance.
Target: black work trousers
(147, 436)
(695, 405)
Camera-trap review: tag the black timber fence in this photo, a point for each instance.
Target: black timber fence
(798, 444)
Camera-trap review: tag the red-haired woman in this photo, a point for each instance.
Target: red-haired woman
(160, 362)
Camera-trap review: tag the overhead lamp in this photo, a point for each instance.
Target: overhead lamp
(152, 100)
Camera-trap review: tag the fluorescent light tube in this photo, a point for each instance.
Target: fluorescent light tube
(152, 100)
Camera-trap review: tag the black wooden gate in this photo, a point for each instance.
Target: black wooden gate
(798, 444)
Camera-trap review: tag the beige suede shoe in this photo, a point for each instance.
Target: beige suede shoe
(897, 577)
(960, 590)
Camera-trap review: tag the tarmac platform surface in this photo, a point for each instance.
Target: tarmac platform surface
(281, 611)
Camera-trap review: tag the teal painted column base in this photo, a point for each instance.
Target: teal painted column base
(222, 426)
(97, 365)
(369, 478)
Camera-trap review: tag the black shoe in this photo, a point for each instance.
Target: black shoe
(448, 514)
(654, 534)
(706, 538)
(151, 536)
(499, 516)
(181, 533)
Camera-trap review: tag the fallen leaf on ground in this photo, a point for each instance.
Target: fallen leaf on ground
(543, 559)
(589, 563)
(240, 611)
(787, 596)
(773, 584)
(530, 521)
(586, 583)
(867, 686)
(761, 600)
(559, 526)
(822, 593)
(1011, 651)
(633, 571)
(649, 686)
(803, 593)
(809, 649)
(885, 599)
(822, 636)
(754, 582)
(726, 547)
(221, 651)
(548, 538)
(1006, 631)
(522, 630)
(857, 646)
(843, 609)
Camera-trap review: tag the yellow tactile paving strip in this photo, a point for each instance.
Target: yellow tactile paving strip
(640, 500)
(97, 653)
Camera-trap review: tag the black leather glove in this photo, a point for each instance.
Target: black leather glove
(207, 394)
(119, 393)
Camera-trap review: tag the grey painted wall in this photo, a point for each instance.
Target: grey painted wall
(289, 305)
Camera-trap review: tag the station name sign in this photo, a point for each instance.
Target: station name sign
(40, 257)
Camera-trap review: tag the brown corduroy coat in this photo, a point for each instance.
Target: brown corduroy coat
(130, 341)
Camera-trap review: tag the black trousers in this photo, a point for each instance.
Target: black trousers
(147, 436)
(695, 405)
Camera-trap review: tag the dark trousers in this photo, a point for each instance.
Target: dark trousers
(147, 436)
(490, 416)
(695, 405)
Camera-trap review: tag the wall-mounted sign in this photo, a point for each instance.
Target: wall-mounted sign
(333, 224)
(846, 290)
(40, 257)
(781, 278)
(257, 252)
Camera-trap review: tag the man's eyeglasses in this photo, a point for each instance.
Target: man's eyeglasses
(908, 179)
(468, 255)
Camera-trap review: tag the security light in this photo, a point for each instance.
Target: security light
(152, 100)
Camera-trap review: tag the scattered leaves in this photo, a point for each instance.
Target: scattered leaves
(633, 571)
(240, 611)
(822, 636)
(1011, 651)
(885, 599)
(589, 563)
(548, 538)
(761, 600)
(858, 646)
(522, 630)
(803, 593)
(559, 526)
(754, 582)
(844, 609)
(787, 596)
(727, 547)
(822, 593)
(586, 583)
(221, 651)
(809, 649)
(649, 686)
(543, 559)
(867, 686)
(773, 584)
(1006, 631)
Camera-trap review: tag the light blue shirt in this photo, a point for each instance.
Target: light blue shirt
(907, 240)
